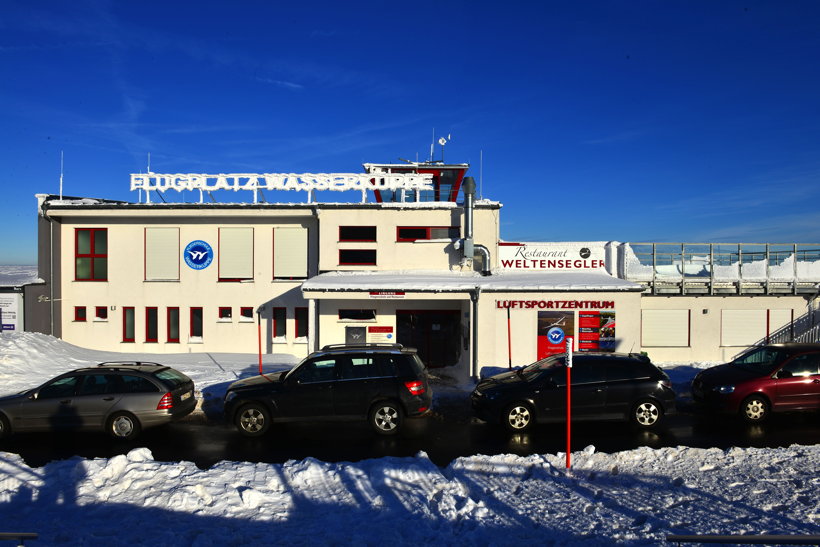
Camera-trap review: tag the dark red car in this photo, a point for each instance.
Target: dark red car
(765, 379)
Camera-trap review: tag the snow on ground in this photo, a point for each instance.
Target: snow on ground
(632, 497)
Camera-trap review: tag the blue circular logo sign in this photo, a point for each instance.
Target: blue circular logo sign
(198, 255)
(555, 335)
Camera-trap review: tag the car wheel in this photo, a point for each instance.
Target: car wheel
(253, 420)
(754, 409)
(123, 426)
(647, 414)
(386, 418)
(518, 417)
(5, 429)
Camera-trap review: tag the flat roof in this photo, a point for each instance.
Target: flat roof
(438, 281)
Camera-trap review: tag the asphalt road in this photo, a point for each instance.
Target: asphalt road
(448, 434)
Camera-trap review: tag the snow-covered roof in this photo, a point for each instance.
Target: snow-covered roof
(17, 276)
(445, 281)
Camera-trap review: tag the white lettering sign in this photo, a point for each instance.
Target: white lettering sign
(282, 181)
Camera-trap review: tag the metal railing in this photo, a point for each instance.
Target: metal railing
(710, 268)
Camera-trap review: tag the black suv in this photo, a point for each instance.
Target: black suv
(381, 383)
(605, 386)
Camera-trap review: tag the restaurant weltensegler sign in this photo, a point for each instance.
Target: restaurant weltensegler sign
(557, 257)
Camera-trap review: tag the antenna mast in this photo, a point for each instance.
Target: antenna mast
(61, 175)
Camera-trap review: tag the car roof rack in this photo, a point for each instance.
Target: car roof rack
(330, 347)
(129, 363)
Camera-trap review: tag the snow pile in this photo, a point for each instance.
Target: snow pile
(632, 497)
(638, 496)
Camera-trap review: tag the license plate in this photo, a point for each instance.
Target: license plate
(185, 396)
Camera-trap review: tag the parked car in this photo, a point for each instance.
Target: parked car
(765, 379)
(120, 398)
(379, 383)
(604, 386)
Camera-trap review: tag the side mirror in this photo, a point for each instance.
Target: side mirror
(32, 396)
(785, 374)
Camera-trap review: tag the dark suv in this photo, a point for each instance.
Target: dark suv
(765, 379)
(605, 386)
(378, 383)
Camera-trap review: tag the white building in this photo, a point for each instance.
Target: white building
(412, 266)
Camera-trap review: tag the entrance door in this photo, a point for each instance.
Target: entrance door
(436, 334)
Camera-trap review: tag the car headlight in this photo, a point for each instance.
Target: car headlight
(725, 389)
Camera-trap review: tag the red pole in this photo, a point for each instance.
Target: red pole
(569, 400)
(509, 340)
(259, 338)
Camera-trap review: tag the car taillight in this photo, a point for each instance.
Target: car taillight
(166, 402)
(415, 388)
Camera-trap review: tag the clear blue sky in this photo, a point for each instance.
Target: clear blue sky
(634, 120)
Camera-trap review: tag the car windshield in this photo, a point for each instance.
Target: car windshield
(538, 367)
(762, 360)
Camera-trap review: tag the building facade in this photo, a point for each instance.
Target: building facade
(416, 265)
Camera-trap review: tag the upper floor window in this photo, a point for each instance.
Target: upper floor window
(415, 233)
(357, 257)
(91, 254)
(290, 252)
(161, 254)
(357, 233)
(235, 254)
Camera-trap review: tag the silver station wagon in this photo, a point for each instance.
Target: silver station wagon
(120, 398)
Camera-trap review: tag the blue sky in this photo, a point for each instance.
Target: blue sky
(665, 121)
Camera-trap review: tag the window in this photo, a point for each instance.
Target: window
(235, 254)
(225, 313)
(101, 313)
(742, 327)
(91, 254)
(357, 315)
(803, 365)
(128, 324)
(196, 323)
(290, 252)
(665, 328)
(246, 313)
(301, 322)
(79, 313)
(98, 384)
(173, 325)
(414, 233)
(357, 257)
(137, 384)
(151, 325)
(357, 233)
(63, 387)
(162, 254)
(279, 323)
(320, 370)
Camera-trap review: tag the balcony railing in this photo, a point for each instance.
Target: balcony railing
(723, 268)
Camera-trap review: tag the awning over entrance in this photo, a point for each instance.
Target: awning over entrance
(456, 282)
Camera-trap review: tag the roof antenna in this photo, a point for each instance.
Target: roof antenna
(481, 174)
(61, 175)
(432, 145)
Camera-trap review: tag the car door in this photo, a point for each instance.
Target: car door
(627, 383)
(798, 383)
(588, 389)
(308, 390)
(358, 385)
(96, 395)
(51, 406)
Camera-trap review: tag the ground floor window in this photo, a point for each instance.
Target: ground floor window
(280, 330)
(173, 325)
(128, 324)
(196, 324)
(302, 329)
(151, 325)
(665, 328)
